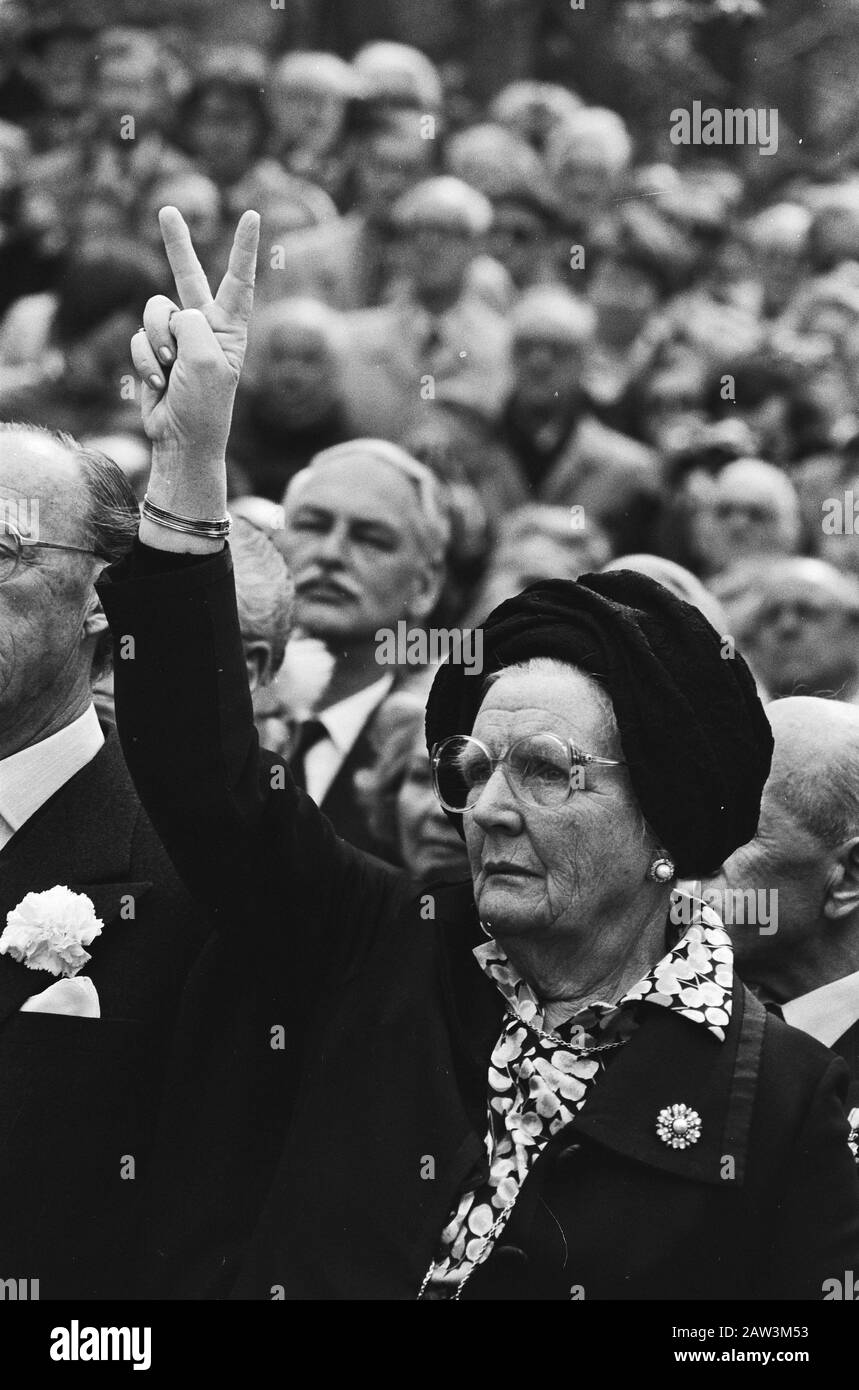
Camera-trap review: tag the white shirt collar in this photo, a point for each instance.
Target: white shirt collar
(30, 777)
(345, 720)
(828, 1012)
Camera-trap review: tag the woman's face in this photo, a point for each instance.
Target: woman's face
(430, 846)
(554, 870)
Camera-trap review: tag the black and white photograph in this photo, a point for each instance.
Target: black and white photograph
(429, 670)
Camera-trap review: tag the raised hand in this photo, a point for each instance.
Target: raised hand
(189, 358)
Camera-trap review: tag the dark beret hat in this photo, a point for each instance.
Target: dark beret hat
(694, 732)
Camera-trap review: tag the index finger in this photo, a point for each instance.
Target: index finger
(236, 291)
(192, 286)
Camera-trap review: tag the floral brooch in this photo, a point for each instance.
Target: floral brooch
(678, 1126)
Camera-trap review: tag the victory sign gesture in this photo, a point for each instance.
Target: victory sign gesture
(189, 358)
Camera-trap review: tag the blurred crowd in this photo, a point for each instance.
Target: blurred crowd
(604, 349)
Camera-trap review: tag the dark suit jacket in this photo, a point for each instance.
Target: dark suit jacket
(847, 1047)
(342, 803)
(343, 1040)
(78, 1096)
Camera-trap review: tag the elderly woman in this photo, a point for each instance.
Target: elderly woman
(529, 1085)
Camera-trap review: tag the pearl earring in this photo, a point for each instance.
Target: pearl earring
(661, 869)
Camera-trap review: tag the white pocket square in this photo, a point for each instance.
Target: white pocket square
(77, 998)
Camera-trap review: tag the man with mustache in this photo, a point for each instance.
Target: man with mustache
(364, 540)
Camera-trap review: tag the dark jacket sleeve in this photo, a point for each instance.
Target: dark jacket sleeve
(249, 845)
(815, 1217)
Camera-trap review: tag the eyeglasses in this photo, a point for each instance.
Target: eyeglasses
(541, 770)
(12, 545)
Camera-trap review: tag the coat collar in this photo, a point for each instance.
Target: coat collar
(668, 1061)
(82, 837)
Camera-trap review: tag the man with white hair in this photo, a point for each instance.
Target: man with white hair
(751, 511)
(588, 155)
(804, 630)
(559, 451)
(397, 72)
(805, 858)
(365, 539)
(437, 340)
(308, 100)
(83, 1059)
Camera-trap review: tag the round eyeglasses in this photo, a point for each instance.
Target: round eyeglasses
(13, 544)
(541, 770)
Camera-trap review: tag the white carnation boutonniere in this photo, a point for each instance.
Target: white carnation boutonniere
(49, 930)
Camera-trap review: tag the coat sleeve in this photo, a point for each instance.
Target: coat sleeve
(815, 1221)
(251, 847)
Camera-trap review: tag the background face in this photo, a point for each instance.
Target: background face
(297, 375)
(806, 643)
(353, 549)
(306, 117)
(624, 298)
(430, 846)
(436, 257)
(743, 522)
(787, 863)
(129, 85)
(517, 239)
(546, 370)
(223, 134)
(389, 164)
(576, 865)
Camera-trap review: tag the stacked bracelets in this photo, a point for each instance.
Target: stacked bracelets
(206, 530)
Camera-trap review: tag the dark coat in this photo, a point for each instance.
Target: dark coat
(847, 1046)
(78, 1096)
(327, 1168)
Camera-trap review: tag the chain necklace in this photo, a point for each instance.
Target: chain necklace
(498, 1224)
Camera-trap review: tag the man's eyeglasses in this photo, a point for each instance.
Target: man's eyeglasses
(12, 545)
(541, 770)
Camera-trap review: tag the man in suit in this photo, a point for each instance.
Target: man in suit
(806, 857)
(78, 1091)
(437, 328)
(364, 539)
(557, 449)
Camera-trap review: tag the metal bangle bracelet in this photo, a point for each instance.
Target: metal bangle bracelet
(208, 530)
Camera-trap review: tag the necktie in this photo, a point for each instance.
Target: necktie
(310, 732)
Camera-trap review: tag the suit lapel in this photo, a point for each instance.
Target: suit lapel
(80, 838)
(847, 1047)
